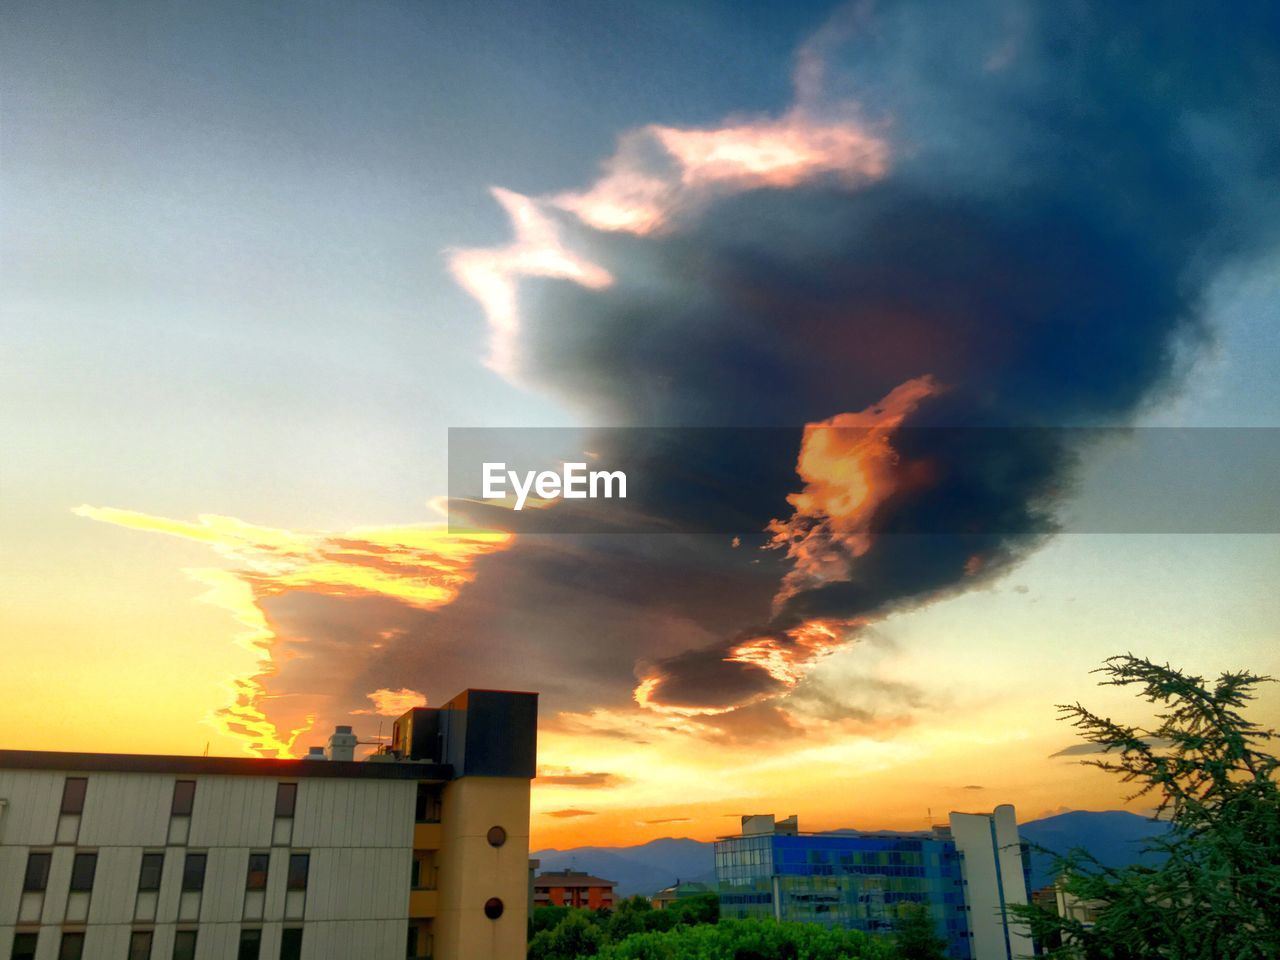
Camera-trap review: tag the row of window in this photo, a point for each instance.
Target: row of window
(75, 789)
(85, 865)
(71, 946)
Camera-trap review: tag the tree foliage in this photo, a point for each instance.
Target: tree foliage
(916, 936)
(691, 928)
(1215, 892)
(751, 940)
(567, 933)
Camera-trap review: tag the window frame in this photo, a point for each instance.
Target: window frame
(290, 951)
(78, 883)
(71, 937)
(256, 944)
(291, 880)
(72, 803)
(33, 858)
(250, 872)
(179, 936)
(150, 936)
(184, 799)
(28, 936)
(286, 810)
(152, 856)
(191, 883)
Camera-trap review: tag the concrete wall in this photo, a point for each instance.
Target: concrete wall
(472, 871)
(993, 875)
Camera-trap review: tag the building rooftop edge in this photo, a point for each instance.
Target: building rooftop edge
(77, 762)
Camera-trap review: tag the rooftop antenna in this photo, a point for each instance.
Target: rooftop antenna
(929, 815)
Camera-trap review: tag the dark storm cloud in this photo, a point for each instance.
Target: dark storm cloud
(1064, 183)
(568, 616)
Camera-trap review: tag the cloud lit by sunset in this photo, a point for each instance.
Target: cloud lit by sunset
(418, 565)
(869, 281)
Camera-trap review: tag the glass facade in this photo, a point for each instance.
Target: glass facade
(856, 881)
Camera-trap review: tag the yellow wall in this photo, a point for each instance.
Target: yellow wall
(471, 871)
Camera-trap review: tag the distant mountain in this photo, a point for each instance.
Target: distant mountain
(643, 869)
(1113, 836)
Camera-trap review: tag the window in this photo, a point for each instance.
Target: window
(24, 946)
(184, 945)
(411, 949)
(140, 945)
(72, 947)
(37, 876)
(83, 867)
(151, 872)
(286, 799)
(193, 874)
(427, 804)
(493, 908)
(291, 943)
(184, 798)
(250, 944)
(299, 867)
(73, 791)
(259, 863)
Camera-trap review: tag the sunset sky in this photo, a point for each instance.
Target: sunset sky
(256, 260)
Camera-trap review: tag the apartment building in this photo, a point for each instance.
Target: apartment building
(571, 888)
(966, 875)
(419, 851)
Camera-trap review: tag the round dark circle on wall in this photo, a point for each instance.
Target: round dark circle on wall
(493, 908)
(497, 836)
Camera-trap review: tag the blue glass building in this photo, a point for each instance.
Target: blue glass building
(859, 881)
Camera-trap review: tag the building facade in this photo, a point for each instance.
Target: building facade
(867, 881)
(568, 888)
(680, 890)
(419, 851)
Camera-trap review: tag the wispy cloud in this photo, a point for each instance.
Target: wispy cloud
(564, 777)
(1090, 749)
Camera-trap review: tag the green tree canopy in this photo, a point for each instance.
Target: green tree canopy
(751, 940)
(916, 936)
(1216, 890)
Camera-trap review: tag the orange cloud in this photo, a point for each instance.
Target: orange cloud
(566, 777)
(849, 468)
(419, 565)
(788, 661)
(393, 703)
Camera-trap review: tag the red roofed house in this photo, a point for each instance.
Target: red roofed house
(567, 888)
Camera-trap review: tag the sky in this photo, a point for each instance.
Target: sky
(256, 261)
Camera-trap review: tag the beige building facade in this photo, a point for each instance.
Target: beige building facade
(419, 851)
